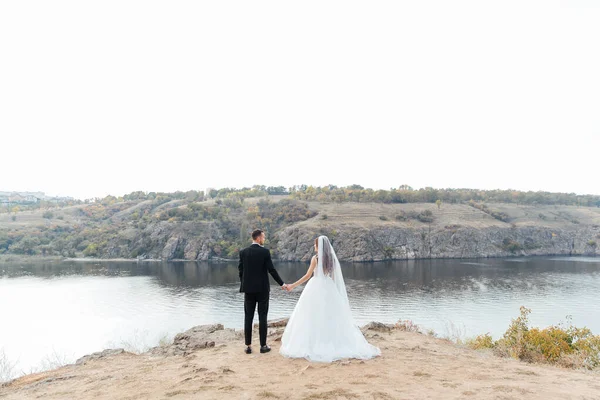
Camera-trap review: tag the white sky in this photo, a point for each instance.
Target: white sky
(108, 97)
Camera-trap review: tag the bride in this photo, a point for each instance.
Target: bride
(321, 327)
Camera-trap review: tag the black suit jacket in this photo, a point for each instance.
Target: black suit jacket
(255, 262)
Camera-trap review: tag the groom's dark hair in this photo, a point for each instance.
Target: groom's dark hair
(256, 233)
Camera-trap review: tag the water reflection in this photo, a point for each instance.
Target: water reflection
(392, 278)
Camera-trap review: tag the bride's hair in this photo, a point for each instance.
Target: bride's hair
(327, 256)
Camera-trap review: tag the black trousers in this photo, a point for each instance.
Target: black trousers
(250, 301)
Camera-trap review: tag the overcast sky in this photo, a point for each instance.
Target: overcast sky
(109, 97)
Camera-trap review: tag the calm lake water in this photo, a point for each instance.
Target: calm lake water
(56, 312)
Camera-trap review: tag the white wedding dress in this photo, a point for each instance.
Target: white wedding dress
(321, 327)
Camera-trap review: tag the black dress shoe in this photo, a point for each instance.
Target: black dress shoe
(265, 349)
(248, 350)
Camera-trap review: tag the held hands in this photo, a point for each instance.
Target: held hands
(286, 287)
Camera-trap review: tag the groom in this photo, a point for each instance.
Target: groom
(255, 262)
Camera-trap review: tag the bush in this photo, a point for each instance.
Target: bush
(501, 216)
(529, 244)
(402, 216)
(48, 214)
(425, 216)
(91, 250)
(452, 227)
(388, 252)
(511, 245)
(407, 326)
(26, 245)
(481, 342)
(566, 346)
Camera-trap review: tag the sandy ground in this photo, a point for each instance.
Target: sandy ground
(412, 366)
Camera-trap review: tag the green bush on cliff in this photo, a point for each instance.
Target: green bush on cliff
(499, 215)
(425, 216)
(91, 250)
(401, 216)
(27, 244)
(511, 245)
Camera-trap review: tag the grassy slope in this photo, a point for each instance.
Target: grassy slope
(368, 215)
(363, 214)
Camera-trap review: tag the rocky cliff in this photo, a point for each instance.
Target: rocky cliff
(368, 232)
(358, 231)
(384, 243)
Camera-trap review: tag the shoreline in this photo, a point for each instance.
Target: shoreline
(208, 362)
(16, 258)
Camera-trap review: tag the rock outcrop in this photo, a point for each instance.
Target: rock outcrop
(387, 243)
(98, 355)
(198, 337)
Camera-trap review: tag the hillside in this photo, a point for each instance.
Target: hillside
(186, 228)
(365, 232)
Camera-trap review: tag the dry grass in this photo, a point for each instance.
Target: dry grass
(267, 395)
(421, 374)
(368, 215)
(333, 394)
(455, 333)
(7, 367)
(34, 218)
(412, 366)
(407, 325)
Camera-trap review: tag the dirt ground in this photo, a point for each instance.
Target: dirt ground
(412, 366)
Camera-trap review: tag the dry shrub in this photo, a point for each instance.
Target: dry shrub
(407, 326)
(481, 342)
(7, 367)
(566, 346)
(572, 360)
(551, 342)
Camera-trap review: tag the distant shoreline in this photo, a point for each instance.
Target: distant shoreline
(16, 258)
(12, 258)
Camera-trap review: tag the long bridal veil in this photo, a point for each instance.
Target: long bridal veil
(328, 265)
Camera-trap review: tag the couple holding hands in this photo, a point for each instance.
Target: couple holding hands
(321, 327)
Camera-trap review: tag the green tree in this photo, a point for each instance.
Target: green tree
(91, 250)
